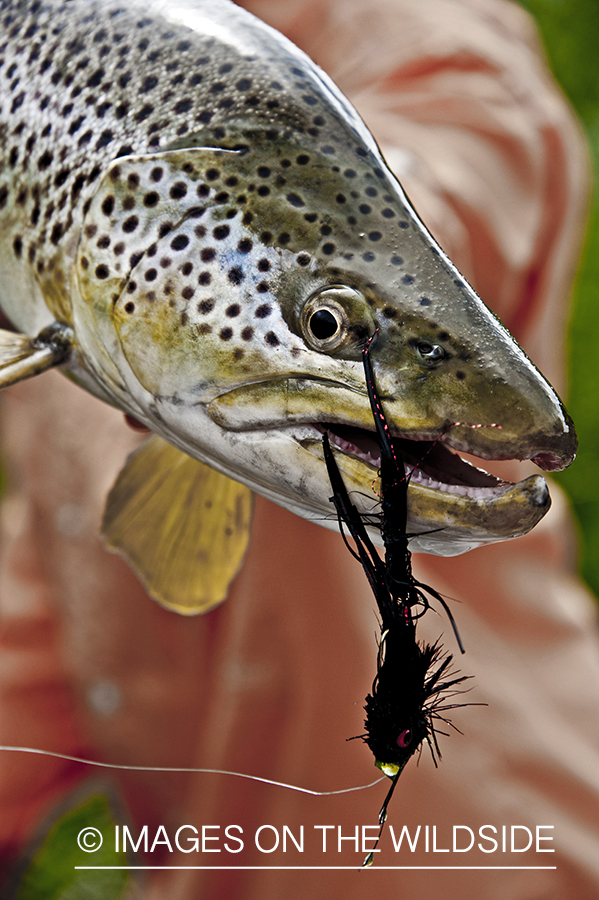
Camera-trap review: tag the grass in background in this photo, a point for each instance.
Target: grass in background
(570, 32)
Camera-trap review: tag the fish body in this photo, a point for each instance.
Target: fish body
(198, 227)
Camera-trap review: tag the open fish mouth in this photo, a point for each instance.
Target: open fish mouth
(453, 506)
(430, 464)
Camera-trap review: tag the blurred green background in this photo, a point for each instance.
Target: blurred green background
(570, 32)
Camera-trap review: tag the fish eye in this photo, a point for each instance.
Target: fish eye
(431, 352)
(327, 316)
(324, 324)
(405, 738)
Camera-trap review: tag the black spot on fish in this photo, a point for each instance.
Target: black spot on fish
(226, 334)
(205, 306)
(180, 242)
(263, 311)
(102, 272)
(178, 190)
(130, 224)
(235, 275)
(271, 339)
(233, 310)
(221, 232)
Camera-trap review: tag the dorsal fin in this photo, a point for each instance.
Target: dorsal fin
(182, 526)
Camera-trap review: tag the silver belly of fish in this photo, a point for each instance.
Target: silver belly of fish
(196, 225)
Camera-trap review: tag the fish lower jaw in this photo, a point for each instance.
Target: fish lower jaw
(462, 490)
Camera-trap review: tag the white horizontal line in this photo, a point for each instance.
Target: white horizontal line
(303, 868)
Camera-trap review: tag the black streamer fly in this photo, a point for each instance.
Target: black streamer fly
(413, 680)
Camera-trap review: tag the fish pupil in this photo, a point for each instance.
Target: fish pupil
(323, 324)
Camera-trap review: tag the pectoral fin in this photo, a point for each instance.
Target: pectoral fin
(183, 527)
(22, 356)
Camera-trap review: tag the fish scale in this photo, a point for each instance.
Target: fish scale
(198, 227)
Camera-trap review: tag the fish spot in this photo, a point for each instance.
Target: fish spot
(263, 265)
(424, 301)
(303, 259)
(404, 224)
(226, 334)
(397, 261)
(235, 275)
(151, 275)
(245, 245)
(102, 271)
(18, 245)
(374, 236)
(119, 248)
(365, 209)
(128, 203)
(263, 287)
(319, 120)
(271, 339)
(164, 229)
(341, 198)
(187, 292)
(212, 174)
(368, 256)
(238, 353)
(178, 190)
(266, 237)
(180, 242)
(247, 334)
(295, 199)
(205, 306)
(221, 232)
(325, 230)
(232, 181)
(460, 375)
(263, 171)
(187, 268)
(390, 312)
(90, 230)
(264, 190)
(129, 307)
(204, 328)
(284, 238)
(407, 279)
(222, 197)
(233, 310)
(108, 205)
(207, 254)
(45, 160)
(328, 249)
(130, 224)
(244, 84)
(387, 213)
(134, 259)
(156, 174)
(371, 192)
(310, 217)
(443, 336)
(303, 159)
(151, 199)
(103, 242)
(263, 311)
(459, 283)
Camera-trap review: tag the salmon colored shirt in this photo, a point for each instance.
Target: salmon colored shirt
(272, 682)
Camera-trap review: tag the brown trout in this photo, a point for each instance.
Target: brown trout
(198, 228)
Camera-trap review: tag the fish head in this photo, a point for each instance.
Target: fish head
(227, 294)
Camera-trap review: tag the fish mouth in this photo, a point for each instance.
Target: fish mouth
(430, 464)
(453, 506)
